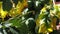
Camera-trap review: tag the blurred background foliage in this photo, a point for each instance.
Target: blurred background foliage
(26, 16)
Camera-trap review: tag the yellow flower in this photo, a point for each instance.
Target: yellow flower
(25, 4)
(43, 9)
(50, 29)
(3, 14)
(19, 8)
(42, 29)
